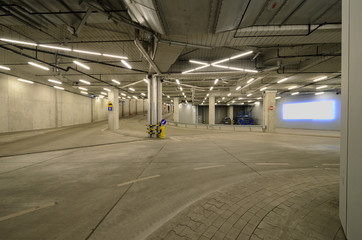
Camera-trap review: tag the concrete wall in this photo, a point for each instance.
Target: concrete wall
(139, 106)
(203, 114)
(132, 107)
(100, 106)
(257, 113)
(310, 124)
(125, 108)
(26, 106)
(187, 113)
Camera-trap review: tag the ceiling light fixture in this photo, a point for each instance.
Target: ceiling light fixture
(5, 68)
(229, 94)
(84, 81)
(262, 89)
(177, 81)
(131, 89)
(319, 79)
(19, 42)
(295, 93)
(207, 95)
(104, 93)
(259, 98)
(211, 88)
(293, 87)
(198, 62)
(82, 88)
(249, 94)
(168, 96)
(54, 81)
(237, 88)
(107, 89)
(82, 65)
(240, 98)
(23, 80)
(87, 52)
(181, 89)
(216, 80)
(123, 94)
(278, 97)
(249, 81)
(283, 80)
(83, 92)
(38, 66)
(241, 55)
(135, 97)
(146, 80)
(126, 64)
(55, 47)
(114, 56)
(319, 93)
(324, 86)
(115, 81)
(60, 88)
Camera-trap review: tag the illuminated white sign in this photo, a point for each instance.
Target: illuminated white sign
(319, 110)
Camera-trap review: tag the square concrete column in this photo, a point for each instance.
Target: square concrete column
(231, 112)
(176, 111)
(269, 112)
(211, 109)
(125, 108)
(350, 202)
(113, 116)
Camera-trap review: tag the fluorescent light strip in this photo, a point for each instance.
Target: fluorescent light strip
(126, 64)
(322, 87)
(60, 88)
(38, 66)
(211, 88)
(229, 94)
(146, 81)
(54, 81)
(198, 62)
(23, 80)
(55, 47)
(87, 52)
(278, 97)
(5, 68)
(259, 98)
(123, 94)
(283, 80)
(20, 42)
(319, 93)
(191, 70)
(134, 97)
(241, 55)
(115, 81)
(221, 61)
(237, 88)
(82, 65)
(295, 93)
(319, 79)
(82, 88)
(181, 89)
(141, 94)
(131, 89)
(249, 81)
(177, 81)
(264, 88)
(249, 95)
(104, 93)
(128, 97)
(107, 89)
(83, 92)
(114, 56)
(84, 81)
(293, 87)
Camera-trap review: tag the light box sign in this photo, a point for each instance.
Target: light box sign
(318, 110)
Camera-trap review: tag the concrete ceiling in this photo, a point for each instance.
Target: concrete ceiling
(298, 39)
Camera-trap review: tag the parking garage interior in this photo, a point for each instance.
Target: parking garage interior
(209, 119)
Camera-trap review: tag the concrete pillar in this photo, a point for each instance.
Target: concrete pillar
(125, 108)
(211, 109)
(269, 112)
(176, 110)
(155, 98)
(350, 202)
(113, 116)
(231, 112)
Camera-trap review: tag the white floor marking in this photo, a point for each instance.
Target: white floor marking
(272, 164)
(330, 164)
(214, 166)
(137, 180)
(26, 211)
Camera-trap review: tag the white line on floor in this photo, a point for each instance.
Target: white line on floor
(214, 166)
(27, 211)
(272, 164)
(330, 164)
(137, 180)
(104, 129)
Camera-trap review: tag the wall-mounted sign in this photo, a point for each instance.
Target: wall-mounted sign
(110, 106)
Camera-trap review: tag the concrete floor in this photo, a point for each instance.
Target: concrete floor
(86, 182)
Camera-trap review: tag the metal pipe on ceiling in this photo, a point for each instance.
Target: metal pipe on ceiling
(170, 42)
(148, 58)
